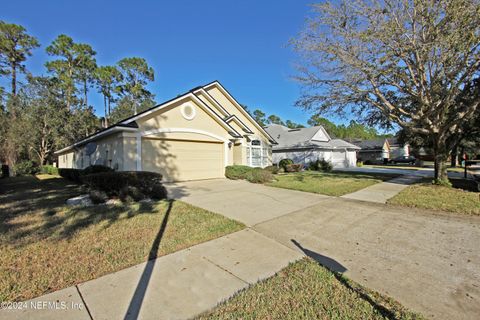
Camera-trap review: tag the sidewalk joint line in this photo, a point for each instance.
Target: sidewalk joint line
(84, 302)
(227, 271)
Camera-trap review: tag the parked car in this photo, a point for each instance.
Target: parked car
(403, 159)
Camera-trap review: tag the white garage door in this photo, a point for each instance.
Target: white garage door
(179, 160)
(339, 159)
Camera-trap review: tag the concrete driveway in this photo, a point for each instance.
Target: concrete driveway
(243, 201)
(429, 262)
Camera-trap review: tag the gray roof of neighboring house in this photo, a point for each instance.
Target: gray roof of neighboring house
(302, 138)
(373, 144)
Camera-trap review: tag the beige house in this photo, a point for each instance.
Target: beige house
(193, 136)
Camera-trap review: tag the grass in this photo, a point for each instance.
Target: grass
(306, 290)
(393, 166)
(428, 196)
(332, 184)
(46, 246)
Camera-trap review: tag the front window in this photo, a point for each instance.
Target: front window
(258, 154)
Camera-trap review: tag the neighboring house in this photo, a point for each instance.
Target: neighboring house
(193, 136)
(305, 145)
(376, 150)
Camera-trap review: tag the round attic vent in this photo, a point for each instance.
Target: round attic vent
(188, 111)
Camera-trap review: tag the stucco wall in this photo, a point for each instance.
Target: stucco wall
(339, 159)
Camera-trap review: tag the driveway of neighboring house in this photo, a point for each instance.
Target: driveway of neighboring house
(428, 262)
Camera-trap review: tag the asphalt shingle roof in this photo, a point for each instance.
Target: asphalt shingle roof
(302, 138)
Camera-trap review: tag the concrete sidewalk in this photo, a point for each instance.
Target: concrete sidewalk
(383, 191)
(177, 286)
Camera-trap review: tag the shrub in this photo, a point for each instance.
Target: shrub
(359, 163)
(442, 182)
(49, 169)
(96, 169)
(98, 196)
(284, 162)
(137, 185)
(26, 167)
(237, 172)
(325, 165)
(259, 175)
(294, 167)
(273, 169)
(71, 174)
(314, 166)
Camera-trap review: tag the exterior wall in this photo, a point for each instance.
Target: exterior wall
(65, 160)
(171, 117)
(338, 158)
(109, 153)
(239, 154)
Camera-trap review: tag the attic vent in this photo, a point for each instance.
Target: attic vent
(291, 130)
(188, 111)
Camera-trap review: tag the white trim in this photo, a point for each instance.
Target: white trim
(189, 130)
(239, 107)
(199, 102)
(97, 135)
(139, 152)
(212, 100)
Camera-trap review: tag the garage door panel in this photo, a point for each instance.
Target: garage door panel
(183, 160)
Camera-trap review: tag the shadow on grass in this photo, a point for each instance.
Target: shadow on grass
(338, 269)
(34, 210)
(139, 294)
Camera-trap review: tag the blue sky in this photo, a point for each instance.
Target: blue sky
(243, 44)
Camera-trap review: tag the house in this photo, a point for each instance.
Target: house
(376, 150)
(193, 136)
(304, 145)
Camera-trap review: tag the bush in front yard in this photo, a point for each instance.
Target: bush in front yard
(259, 175)
(284, 162)
(237, 172)
(325, 165)
(294, 167)
(96, 169)
(273, 169)
(135, 184)
(49, 169)
(24, 168)
(71, 174)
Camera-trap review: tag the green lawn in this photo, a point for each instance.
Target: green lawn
(46, 246)
(306, 290)
(332, 184)
(393, 166)
(428, 196)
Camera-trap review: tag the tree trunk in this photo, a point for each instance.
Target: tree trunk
(85, 92)
(440, 154)
(106, 114)
(14, 80)
(453, 157)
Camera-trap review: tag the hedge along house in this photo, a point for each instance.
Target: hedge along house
(193, 136)
(305, 145)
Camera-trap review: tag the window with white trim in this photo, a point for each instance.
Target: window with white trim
(258, 153)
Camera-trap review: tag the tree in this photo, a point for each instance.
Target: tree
(44, 118)
(395, 62)
(75, 66)
(259, 116)
(107, 79)
(123, 109)
(292, 125)
(136, 74)
(15, 46)
(273, 119)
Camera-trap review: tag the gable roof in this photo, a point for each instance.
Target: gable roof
(304, 138)
(130, 124)
(375, 144)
